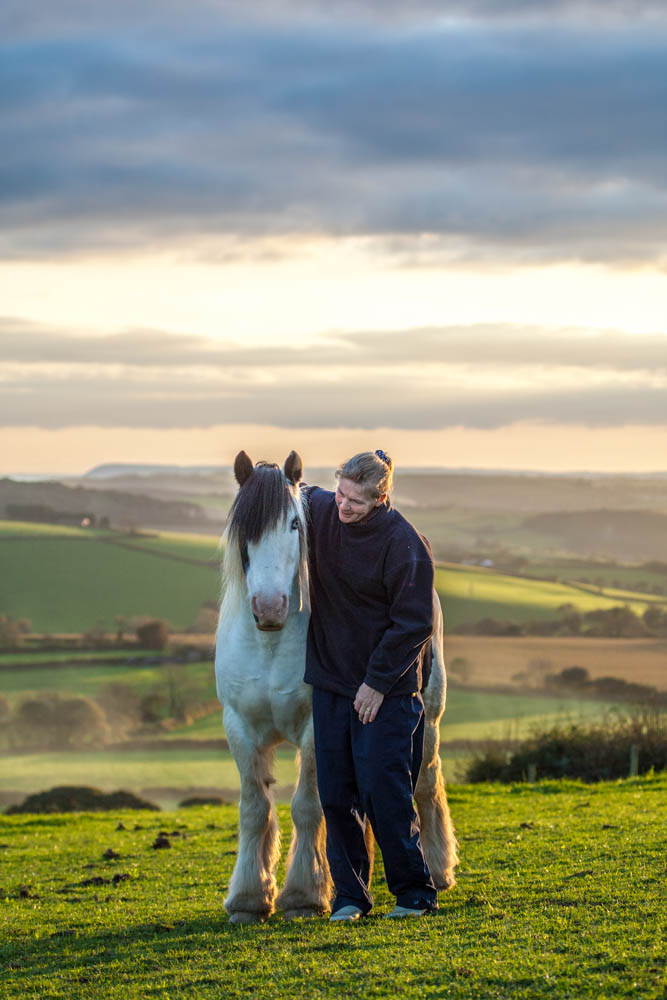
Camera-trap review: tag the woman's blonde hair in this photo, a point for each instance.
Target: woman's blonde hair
(373, 471)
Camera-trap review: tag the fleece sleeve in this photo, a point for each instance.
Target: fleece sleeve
(410, 590)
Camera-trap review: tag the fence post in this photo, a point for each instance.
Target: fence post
(532, 773)
(634, 761)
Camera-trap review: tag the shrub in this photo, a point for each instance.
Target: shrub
(75, 798)
(49, 722)
(153, 635)
(591, 753)
(122, 707)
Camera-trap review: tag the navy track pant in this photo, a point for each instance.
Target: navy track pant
(370, 771)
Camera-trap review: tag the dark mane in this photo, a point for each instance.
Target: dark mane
(263, 501)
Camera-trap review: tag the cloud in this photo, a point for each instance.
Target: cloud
(545, 138)
(487, 344)
(478, 377)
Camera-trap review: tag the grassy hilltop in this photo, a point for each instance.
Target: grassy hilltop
(559, 895)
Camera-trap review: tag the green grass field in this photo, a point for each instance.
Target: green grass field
(66, 579)
(66, 585)
(470, 593)
(599, 573)
(560, 895)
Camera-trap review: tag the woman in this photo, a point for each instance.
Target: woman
(371, 584)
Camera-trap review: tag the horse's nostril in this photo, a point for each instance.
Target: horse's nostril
(284, 601)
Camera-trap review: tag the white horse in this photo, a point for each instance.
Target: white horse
(259, 665)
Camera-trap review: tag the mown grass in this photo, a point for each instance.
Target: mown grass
(559, 896)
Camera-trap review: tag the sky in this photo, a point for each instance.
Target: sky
(438, 229)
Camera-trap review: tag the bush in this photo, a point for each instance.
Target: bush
(13, 631)
(49, 722)
(590, 753)
(153, 635)
(80, 798)
(122, 707)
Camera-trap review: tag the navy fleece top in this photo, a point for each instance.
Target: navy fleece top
(371, 588)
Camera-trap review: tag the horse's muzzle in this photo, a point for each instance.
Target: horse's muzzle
(270, 614)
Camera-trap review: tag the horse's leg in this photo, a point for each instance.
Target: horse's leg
(252, 888)
(307, 889)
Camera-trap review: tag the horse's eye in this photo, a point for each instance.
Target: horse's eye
(295, 524)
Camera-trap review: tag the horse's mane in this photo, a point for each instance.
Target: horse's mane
(265, 500)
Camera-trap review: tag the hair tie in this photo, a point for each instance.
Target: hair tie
(380, 454)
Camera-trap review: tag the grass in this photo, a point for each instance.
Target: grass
(559, 896)
(65, 656)
(178, 545)
(66, 579)
(66, 586)
(89, 680)
(37, 530)
(470, 593)
(574, 569)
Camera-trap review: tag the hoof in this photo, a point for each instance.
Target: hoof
(448, 881)
(247, 918)
(305, 912)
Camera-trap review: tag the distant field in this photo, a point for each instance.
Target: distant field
(470, 715)
(90, 679)
(66, 579)
(494, 660)
(66, 585)
(181, 545)
(598, 573)
(9, 528)
(470, 593)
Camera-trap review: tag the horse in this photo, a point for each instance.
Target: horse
(259, 667)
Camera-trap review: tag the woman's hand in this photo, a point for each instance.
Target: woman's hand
(367, 703)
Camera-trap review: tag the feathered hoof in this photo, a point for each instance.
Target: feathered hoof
(247, 918)
(303, 913)
(446, 881)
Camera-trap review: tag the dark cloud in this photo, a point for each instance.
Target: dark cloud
(481, 344)
(544, 137)
(481, 376)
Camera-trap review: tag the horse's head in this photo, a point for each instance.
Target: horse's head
(266, 538)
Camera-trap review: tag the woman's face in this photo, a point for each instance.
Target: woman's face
(353, 504)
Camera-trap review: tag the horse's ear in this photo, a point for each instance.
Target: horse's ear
(243, 468)
(293, 467)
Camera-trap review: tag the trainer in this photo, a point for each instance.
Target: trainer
(371, 581)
